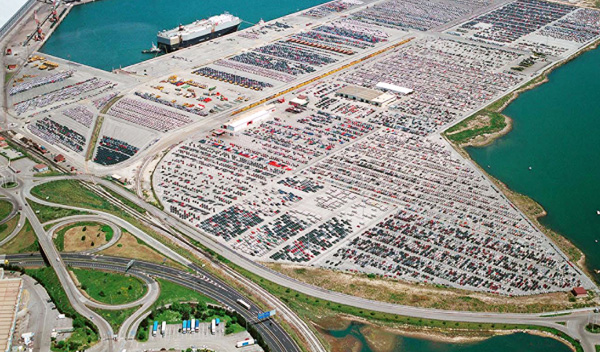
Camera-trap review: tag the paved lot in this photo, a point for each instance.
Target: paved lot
(173, 338)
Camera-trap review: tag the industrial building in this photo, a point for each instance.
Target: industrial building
(386, 87)
(365, 95)
(10, 296)
(247, 120)
(40, 168)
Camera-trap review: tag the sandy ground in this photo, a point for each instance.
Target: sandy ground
(73, 236)
(423, 295)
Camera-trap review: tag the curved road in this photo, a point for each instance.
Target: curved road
(575, 321)
(88, 218)
(206, 285)
(273, 334)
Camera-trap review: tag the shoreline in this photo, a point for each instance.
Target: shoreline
(448, 335)
(560, 240)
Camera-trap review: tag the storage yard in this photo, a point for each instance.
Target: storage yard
(314, 139)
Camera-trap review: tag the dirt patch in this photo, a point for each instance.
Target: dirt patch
(77, 240)
(129, 247)
(424, 295)
(487, 139)
(380, 340)
(348, 343)
(334, 323)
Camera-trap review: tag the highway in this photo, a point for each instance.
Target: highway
(273, 334)
(205, 284)
(575, 321)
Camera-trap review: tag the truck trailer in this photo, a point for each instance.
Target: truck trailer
(247, 342)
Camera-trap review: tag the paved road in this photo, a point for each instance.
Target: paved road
(274, 335)
(42, 317)
(86, 218)
(75, 296)
(575, 321)
(199, 281)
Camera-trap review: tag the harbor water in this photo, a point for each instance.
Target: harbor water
(556, 128)
(519, 342)
(556, 132)
(109, 34)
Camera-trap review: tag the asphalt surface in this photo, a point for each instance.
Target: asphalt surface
(575, 320)
(273, 334)
(204, 283)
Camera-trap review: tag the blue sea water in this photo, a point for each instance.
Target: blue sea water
(556, 131)
(519, 342)
(109, 34)
(556, 127)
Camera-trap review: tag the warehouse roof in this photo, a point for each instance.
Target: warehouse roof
(10, 292)
(394, 88)
(9, 9)
(360, 92)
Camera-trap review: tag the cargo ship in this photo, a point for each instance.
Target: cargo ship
(197, 32)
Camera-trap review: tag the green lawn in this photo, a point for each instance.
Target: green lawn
(8, 227)
(24, 242)
(110, 288)
(73, 193)
(312, 308)
(108, 232)
(5, 209)
(116, 317)
(85, 333)
(59, 239)
(171, 293)
(45, 213)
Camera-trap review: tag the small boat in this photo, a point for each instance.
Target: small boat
(530, 168)
(152, 50)
(598, 212)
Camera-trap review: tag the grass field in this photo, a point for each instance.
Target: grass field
(314, 309)
(116, 317)
(110, 288)
(75, 194)
(173, 294)
(24, 242)
(5, 209)
(8, 227)
(85, 333)
(130, 247)
(489, 122)
(428, 295)
(46, 213)
(82, 236)
(125, 200)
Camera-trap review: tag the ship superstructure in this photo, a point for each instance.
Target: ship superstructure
(197, 32)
